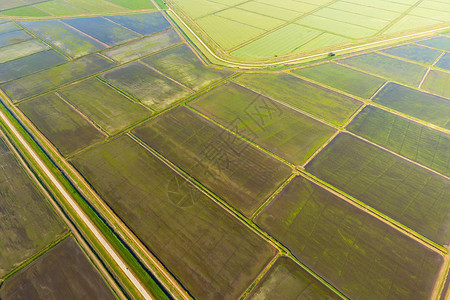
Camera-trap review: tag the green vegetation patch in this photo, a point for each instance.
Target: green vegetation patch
(444, 62)
(106, 107)
(69, 40)
(416, 53)
(342, 78)
(30, 64)
(287, 280)
(281, 130)
(135, 4)
(358, 254)
(399, 189)
(64, 272)
(352, 18)
(61, 8)
(423, 106)
(13, 37)
(227, 33)
(28, 222)
(250, 18)
(147, 85)
(66, 129)
(388, 67)
(49, 79)
(408, 138)
(22, 49)
(280, 42)
(25, 11)
(440, 42)
(309, 97)
(270, 10)
(437, 82)
(144, 47)
(209, 251)
(230, 167)
(181, 64)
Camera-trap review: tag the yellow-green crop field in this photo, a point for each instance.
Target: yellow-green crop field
(263, 30)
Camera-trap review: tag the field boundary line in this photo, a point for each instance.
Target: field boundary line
(211, 195)
(443, 276)
(295, 60)
(400, 17)
(379, 90)
(85, 34)
(166, 76)
(289, 106)
(321, 148)
(398, 155)
(76, 208)
(375, 213)
(429, 69)
(124, 27)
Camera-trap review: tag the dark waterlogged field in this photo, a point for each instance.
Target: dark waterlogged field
(360, 255)
(28, 222)
(400, 189)
(230, 167)
(283, 131)
(64, 272)
(212, 253)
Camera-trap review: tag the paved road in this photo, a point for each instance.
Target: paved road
(87, 222)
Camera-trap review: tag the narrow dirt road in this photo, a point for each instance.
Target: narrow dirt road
(87, 222)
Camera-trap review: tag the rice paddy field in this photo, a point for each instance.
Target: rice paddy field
(326, 180)
(267, 30)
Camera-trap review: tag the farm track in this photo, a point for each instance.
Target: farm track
(43, 168)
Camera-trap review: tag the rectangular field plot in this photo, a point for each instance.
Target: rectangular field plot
(49, 79)
(279, 129)
(184, 66)
(144, 24)
(64, 272)
(25, 11)
(417, 142)
(144, 47)
(8, 27)
(30, 64)
(103, 30)
(209, 251)
(230, 167)
(147, 85)
(365, 10)
(250, 18)
(63, 126)
(342, 78)
(14, 37)
(444, 62)
(355, 252)
(288, 281)
(400, 189)
(440, 42)
(28, 222)
(106, 107)
(387, 67)
(437, 82)
(227, 33)
(423, 106)
(311, 98)
(22, 49)
(416, 53)
(284, 14)
(336, 27)
(69, 40)
(353, 18)
(280, 42)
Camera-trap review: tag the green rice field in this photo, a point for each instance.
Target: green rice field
(109, 109)
(313, 99)
(408, 138)
(281, 130)
(430, 108)
(287, 280)
(402, 190)
(359, 254)
(66, 129)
